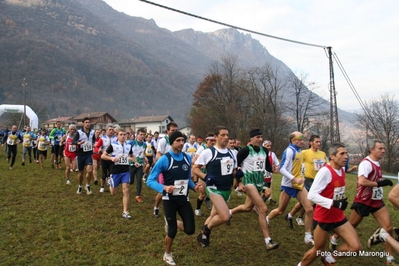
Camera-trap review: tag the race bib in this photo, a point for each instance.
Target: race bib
(377, 193)
(122, 159)
(10, 141)
(181, 187)
(58, 138)
(149, 152)
(226, 165)
(318, 164)
(339, 193)
(259, 165)
(42, 146)
(72, 148)
(87, 147)
(27, 142)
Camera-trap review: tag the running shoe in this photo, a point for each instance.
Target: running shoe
(96, 182)
(272, 245)
(376, 238)
(168, 258)
(102, 190)
(392, 263)
(300, 221)
(323, 259)
(289, 220)
(68, 182)
(203, 239)
(79, 191)
(138, 199)
(23, 163)
(156, 213)
(208, 203)
(126, 215)
(309, 240)
(197, 212)
(88, 190)
(332, 244)
(272, 202)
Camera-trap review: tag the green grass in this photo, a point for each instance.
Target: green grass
(44, 222)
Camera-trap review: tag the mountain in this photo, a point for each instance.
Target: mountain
(82, 55)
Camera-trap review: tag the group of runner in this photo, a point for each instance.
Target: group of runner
(175, 164)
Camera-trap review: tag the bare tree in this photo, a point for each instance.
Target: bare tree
(306, 103)
(219, 99)
(380, 120)
(265, 89)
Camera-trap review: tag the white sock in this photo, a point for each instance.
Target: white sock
(299, 264)
(384, 237)
(390, 258)
(267, 240)
(308, 235)
(333, 240)
(156, 208)
(289, 216)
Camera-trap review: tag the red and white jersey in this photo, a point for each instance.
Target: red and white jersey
(69, 148)
(370, 196)
(328, 185)
(103, 143)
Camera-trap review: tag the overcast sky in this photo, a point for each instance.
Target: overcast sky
(362, 33)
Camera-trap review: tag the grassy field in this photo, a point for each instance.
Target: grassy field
(44, 222)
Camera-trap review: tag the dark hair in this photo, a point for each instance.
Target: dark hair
(171, 124)
(85, 118)
(313, 137)
(218, 129)
(210, 134)
(141, 130)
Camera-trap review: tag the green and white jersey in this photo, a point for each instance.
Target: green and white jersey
(254, 168)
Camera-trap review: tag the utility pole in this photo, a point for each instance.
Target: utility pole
(24, 84)
(334, 122)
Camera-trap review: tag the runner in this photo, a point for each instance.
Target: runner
(328, 193)
(252, 162)
(69, 152)
(120, 153)
(220, 165)
(175, 167)
(27, 137)
(85, 139)
(55, 136)
(292, 184)
(369, 198)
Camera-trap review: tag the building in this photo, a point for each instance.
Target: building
(98, 120)
(150, 123)
(65, 122)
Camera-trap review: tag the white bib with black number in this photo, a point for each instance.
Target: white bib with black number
(181, 187)
(377, 193)
(72, 148)
(226, 165)
(10, 141)
(87, 147)
(259, 165)
(122, 159)
(339, 193)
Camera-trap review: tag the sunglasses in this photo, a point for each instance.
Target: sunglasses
(300, 137)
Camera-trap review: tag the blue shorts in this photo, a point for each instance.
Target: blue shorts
(121, 178)
(290, 191)
(83, 160)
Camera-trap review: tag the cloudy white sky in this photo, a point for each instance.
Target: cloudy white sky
(363, 34)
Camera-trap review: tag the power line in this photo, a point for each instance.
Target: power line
(232, 26)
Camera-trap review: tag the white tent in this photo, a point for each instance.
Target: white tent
(11, 108)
